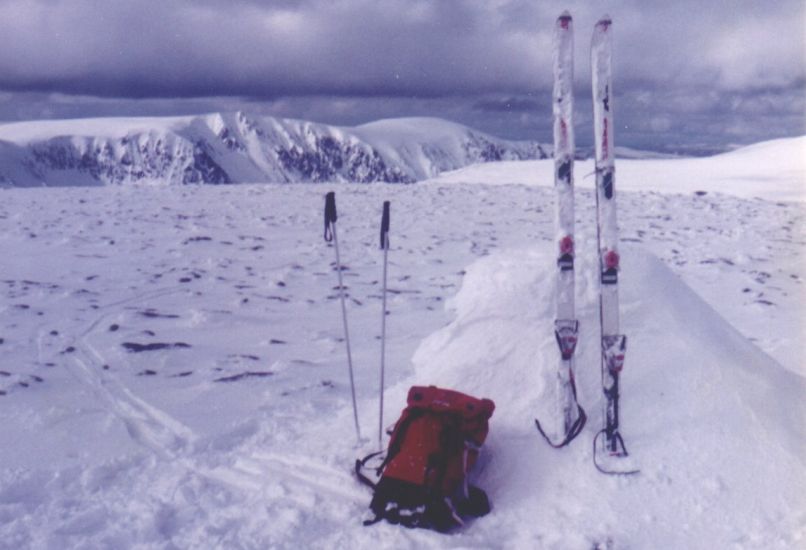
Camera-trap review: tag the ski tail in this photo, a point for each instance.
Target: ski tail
(610, 454)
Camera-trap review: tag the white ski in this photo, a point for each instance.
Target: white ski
(609, 446)
(571, 417)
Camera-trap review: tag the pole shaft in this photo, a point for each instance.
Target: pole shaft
(383, 342)
(346, 331)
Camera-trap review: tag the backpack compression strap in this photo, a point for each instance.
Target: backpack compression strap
(409, 415)
(360, 466)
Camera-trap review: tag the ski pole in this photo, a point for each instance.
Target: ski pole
(385, 248)
(330, 235)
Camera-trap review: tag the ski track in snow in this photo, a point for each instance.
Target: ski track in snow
(171, 440)
(174, 370)
(146, 424)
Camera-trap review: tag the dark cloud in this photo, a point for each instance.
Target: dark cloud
(187, 49)
(681, 68)
(512, 104)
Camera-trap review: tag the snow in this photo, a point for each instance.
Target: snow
(772, 170)
(430, 146)
(23, 133)
(235, 430)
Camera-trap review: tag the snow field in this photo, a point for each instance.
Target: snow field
(679, 352)
(174, 374)
(772, 170)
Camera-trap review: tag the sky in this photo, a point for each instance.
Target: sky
(688, 75)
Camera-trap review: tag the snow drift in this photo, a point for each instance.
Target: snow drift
(701, 407)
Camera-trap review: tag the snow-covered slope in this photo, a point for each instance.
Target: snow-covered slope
(701, 408)
(237, 148)
(173, 369)
(430, 146)
(772, 170)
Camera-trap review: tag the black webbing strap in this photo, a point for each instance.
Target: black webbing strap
(359, 468)
(576, 427)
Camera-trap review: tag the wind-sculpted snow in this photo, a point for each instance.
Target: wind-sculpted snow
(174, 371)
(701, 408)
(237, 148)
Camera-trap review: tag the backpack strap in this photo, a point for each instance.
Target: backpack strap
(360, 465)
(451, 441)
(409, 415)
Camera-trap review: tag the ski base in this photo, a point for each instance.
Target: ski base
(610, 456)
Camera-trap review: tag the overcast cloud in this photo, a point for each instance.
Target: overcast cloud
(687, 73)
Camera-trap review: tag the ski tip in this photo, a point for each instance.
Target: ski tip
(564, 21)
(604, 22)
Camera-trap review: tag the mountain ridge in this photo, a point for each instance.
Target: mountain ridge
(223, 148)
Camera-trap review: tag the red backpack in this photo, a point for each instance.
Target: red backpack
(433, 447)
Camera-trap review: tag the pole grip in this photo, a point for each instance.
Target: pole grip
(330, 214)
(385, 226)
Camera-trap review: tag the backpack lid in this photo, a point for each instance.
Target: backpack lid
(440, 400)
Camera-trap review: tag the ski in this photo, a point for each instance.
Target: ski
(608, 445)
(571, 417)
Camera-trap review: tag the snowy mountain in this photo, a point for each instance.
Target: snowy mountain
(174, 373)
(236, 148)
